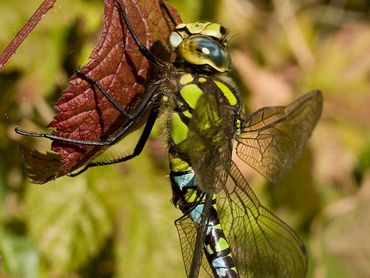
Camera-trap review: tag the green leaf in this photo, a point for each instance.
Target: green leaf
(71, 218)
(18, 255)
(147, 244)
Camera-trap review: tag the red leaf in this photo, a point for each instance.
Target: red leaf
(116, 62)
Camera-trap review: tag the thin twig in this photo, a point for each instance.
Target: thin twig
(24, 32)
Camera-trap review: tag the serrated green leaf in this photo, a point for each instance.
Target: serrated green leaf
(70, 219)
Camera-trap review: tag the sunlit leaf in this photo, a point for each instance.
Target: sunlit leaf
(70, 219)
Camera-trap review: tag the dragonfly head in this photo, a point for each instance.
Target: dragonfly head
(202, 45)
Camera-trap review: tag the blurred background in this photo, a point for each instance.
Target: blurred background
(118, 220)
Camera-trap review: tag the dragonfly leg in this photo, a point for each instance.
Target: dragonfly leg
(137, 150)
(150, 98)
(165, 8)
(101, 89)
(62, 139)
(143, 50)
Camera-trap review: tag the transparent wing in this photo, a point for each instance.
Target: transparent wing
(187, 231)
(262, 244)
(211, 131)
(272, 138)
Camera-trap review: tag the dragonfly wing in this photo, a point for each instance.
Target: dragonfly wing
(272, 138)
(187, 231)
(262, 245)
(210, 132)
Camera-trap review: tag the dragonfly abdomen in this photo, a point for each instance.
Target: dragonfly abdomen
(190, 200)
(217, 248)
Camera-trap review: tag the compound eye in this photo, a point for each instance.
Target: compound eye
(202, 50)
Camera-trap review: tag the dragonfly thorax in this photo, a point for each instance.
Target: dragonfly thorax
(201, 45)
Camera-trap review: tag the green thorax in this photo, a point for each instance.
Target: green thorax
(205, 111)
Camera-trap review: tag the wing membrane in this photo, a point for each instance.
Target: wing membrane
(187, 231)
(272, 138)
(262, 245)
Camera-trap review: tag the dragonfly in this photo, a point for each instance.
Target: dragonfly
(224, 229)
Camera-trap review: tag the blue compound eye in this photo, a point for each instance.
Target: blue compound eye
(202, 50)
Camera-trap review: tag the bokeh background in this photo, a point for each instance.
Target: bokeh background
(117, 221)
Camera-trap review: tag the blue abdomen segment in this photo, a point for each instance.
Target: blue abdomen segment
(190, 200)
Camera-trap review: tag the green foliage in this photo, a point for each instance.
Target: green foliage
(19, 255)
(118, 220)
(70, 219)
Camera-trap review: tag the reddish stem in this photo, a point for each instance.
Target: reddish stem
(26, 29)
